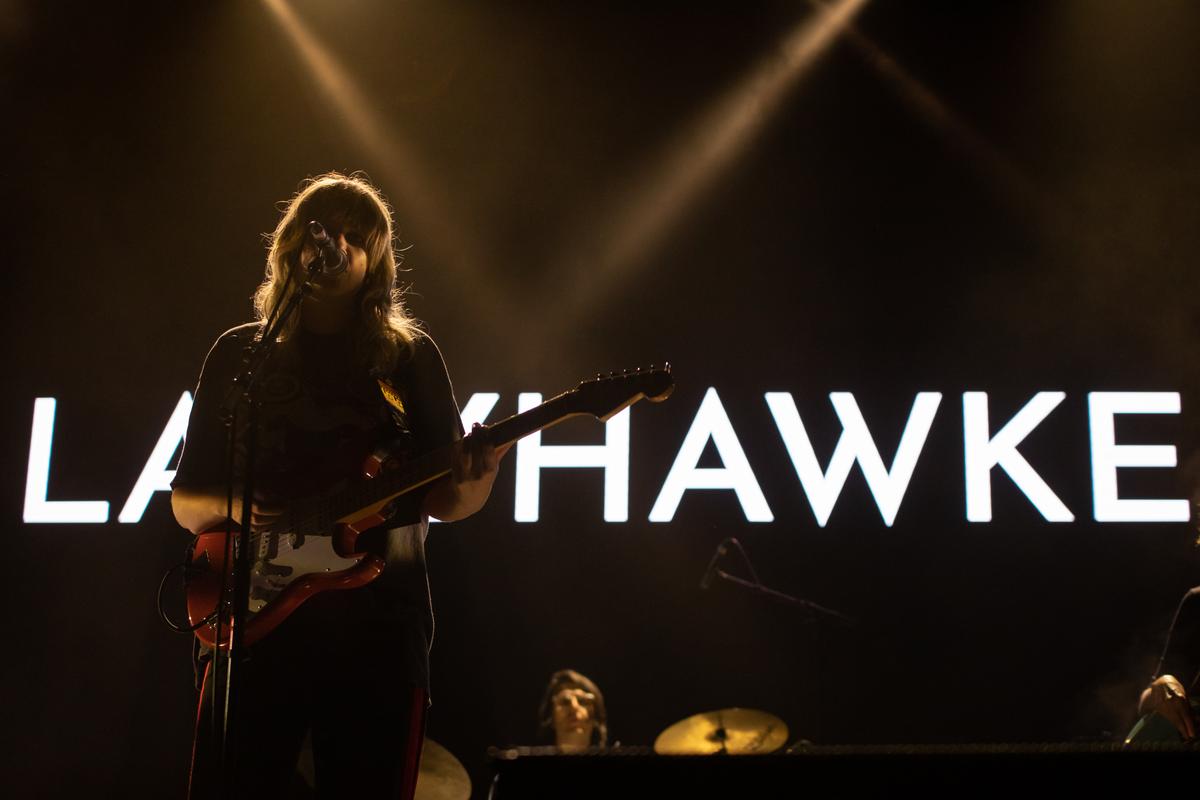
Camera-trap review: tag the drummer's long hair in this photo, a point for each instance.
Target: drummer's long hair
(383, 329)
(570, 679)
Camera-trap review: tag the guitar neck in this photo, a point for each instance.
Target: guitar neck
(350, 503)
(601, 398)
(546, 415)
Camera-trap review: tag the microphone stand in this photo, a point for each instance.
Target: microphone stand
(758, 587)
(242, 391)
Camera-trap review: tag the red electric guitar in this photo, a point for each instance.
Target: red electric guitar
(311, 548)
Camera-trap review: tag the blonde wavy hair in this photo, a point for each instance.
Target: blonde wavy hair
(383, 327)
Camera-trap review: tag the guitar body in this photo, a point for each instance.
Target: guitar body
(287, 569)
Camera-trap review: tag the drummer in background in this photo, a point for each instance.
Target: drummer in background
(573, 708)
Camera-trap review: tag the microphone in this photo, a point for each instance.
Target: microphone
(330, 257)
(722, 549)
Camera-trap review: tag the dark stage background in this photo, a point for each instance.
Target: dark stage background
(943, 196)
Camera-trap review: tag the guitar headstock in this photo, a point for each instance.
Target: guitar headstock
(605, 395)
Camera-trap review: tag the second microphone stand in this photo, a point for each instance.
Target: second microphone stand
(758, 587)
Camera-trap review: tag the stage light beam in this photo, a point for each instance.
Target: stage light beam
(695, 161)
(409, 185)
(926, 105)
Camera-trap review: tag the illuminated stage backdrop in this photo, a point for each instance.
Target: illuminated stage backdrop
(924, 275)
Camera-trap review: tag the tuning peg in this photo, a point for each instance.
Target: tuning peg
(599, 376)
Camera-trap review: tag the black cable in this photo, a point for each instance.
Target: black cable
(162, 614)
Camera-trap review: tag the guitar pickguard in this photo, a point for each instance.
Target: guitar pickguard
(286, 557)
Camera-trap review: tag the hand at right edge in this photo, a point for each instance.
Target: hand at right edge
(1167, 697)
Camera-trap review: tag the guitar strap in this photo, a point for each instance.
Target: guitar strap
(395, 401)
(401, 444)
(391, 396)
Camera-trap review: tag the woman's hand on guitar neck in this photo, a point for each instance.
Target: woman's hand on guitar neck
(1167, 697)
(466, 489)
(203, 509)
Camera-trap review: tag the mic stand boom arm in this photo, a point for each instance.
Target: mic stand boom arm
(758, 587)
(799, 602)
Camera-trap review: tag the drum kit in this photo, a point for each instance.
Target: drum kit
(729, 731)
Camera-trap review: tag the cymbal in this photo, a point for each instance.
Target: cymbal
(737, 731)
(442, 776)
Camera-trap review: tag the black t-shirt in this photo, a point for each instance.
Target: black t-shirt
(321, 415)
